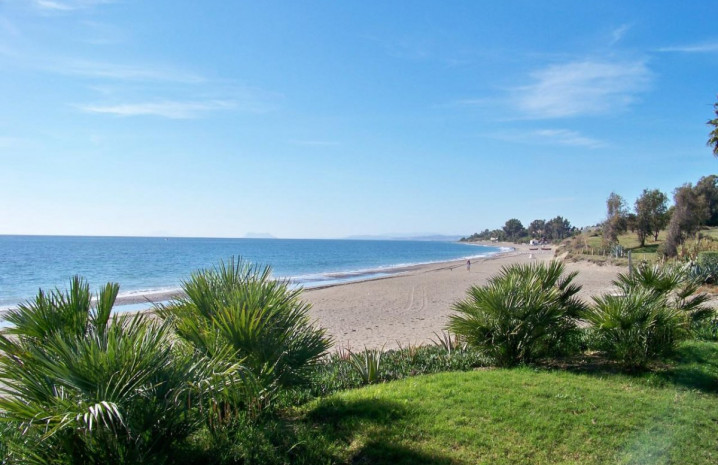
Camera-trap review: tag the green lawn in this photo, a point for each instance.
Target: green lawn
(630, 241)
(590, 247)
(525, 415)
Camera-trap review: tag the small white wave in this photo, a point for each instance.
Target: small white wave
(337, 277)
(147, 292)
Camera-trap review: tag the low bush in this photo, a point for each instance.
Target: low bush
(707, 329)
(707, 258)
(337, 372)
(237, 312)
(674, 284)
(705, 274)
(87, 388)
(366, 364)
(525, 312)
(637, 328)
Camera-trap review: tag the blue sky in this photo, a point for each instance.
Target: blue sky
(329, 119)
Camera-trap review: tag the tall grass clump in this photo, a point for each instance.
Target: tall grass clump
(236, 311)
(366, 364)
(85, 387)
(638, 327)
(523, 313)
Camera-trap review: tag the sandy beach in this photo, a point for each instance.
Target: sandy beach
(410, 307)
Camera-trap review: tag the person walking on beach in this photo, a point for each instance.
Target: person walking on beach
(468, 265)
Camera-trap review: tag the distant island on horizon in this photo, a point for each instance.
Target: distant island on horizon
(253, 235)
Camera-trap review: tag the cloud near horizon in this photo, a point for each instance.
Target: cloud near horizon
(703, 47)
(581, 88)
(166, 109)
(121, 72)
(565, 137)
(67, 5)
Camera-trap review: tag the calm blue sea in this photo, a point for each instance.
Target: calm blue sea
(143, 265)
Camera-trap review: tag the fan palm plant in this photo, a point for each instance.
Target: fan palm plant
(523, 313)
(237, 309)
(674, 283)
(96, 389)
(637, 327)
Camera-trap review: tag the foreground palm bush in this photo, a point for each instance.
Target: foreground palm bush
(674, 284)
(238, 312)
(638, 327)
(525, 312)
(87, 388)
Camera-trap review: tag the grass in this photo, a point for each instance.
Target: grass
(527, 415)
(577, 410)
(589, 247)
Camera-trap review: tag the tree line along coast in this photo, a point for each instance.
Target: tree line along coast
(683, 230)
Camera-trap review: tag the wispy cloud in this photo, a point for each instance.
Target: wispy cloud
(618, 33)
(565, 137)
(182, 101)
(581, 88)
(142, 89)
(67, 5)
(122, 72)
(51, 5)
(703, 47)
(166, 109)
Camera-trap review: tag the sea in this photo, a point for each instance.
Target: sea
(150, 265)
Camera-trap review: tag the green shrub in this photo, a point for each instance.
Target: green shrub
(13, 443)
(709, 259)
(366, 364)
(707, 329)
(337, 373)
(672, 283)
(637, 328)
(236, 311)
(705, 274)
(526, 312)
(87, 388)
(705, 270)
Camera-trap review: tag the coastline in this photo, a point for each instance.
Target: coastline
(139, 298)
(342, 280)
(412, 307)
(409, 305)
